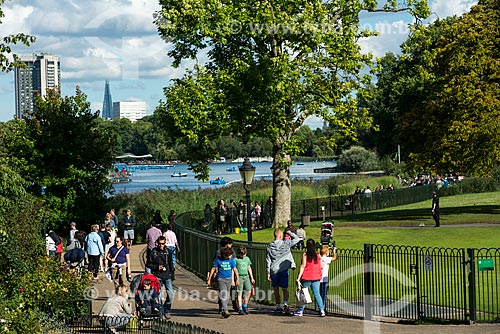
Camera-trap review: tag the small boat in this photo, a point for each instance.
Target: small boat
(218, 181)
(121, 179)
(179, 174)
(300, 164)
(231, 169)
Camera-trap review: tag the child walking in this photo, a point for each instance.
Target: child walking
(326, 259)
(244, 289)
(226, 272)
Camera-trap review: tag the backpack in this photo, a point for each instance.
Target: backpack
(75, 255)
(53, 235)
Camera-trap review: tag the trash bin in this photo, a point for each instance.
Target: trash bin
(305, 219)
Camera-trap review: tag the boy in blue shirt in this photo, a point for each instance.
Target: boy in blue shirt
(226, 272)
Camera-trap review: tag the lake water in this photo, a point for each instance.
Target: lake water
(160, 178)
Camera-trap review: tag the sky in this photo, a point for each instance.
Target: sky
(115, 40)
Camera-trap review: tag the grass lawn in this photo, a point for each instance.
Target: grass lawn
(472, 215)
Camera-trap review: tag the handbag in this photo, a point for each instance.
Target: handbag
(302, 294)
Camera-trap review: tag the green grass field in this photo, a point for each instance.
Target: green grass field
(467, 221)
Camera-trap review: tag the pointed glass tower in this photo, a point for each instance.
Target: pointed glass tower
(107, 104)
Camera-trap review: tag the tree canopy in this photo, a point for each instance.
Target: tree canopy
(60, 152)
(439, 98)
(264, 68)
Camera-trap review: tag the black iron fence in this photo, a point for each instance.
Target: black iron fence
(382, 281)
(105, 325)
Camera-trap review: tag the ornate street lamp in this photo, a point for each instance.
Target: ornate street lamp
(247, 171)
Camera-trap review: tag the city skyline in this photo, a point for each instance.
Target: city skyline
(115, 40)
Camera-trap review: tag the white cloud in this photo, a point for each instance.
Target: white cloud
(115, 40)
(444, 8)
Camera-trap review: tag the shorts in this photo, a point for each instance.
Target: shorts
(128, 234)
(245, 284)
(280, 279)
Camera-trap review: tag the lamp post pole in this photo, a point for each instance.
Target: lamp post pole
(249, 216)
(247, 171)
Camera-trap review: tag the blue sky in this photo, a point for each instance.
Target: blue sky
(115, 40)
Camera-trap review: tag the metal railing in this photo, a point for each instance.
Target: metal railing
(96, 324)
(381, 281)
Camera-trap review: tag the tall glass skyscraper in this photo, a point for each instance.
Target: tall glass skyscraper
(107, 103)
(40, 73)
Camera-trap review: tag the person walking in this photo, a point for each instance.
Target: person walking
(226, 274)
(435, 209)
(278, 261)
(119, 259)
(160, 264)
(310, 275)
(127, 225)
(95, 250)
(244, 289)
(326, 259)
(172, 243)
(152, 234)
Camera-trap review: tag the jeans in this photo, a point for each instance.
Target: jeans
(167, 305)
(173, 250)
(323, 290)
(224, 292)
(315, 289)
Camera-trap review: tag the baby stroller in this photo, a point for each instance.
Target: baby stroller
(75, 259)
(137, 288)
(326, 233)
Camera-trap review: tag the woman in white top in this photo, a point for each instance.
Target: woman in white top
(171, 243)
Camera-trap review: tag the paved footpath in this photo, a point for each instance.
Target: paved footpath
(196, 305)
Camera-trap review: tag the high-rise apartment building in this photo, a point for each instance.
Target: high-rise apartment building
(42, 72)
(133, 110)
(107, 103)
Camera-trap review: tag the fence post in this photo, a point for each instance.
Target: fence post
(472, 285)
(368, 281)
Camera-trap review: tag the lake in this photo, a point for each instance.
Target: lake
(160, 178)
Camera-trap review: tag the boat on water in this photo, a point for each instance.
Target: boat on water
(231, 169)
(179, 174)
(218, 181)
(300, 164)
(121, 179)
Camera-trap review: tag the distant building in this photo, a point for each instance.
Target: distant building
(42, 72)
(133, 110)
(107, 103)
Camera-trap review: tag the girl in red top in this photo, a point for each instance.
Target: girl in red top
(310, 275)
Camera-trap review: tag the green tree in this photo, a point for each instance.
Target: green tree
(456, 126)
(357, 159)
(269, 66)
(438, 99)
(62, 151)
(8, 59)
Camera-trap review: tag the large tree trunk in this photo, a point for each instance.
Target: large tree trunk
(282, 191)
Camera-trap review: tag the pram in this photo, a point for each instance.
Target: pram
(326, 233)
(137, 287)
(75, 259)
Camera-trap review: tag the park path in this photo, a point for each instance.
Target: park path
(196, 305)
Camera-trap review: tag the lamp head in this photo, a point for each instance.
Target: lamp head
(247, 171)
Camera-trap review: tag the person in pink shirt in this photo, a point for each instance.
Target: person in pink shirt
(152, 234)
(310, 275)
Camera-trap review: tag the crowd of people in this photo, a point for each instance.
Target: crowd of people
(224, 218)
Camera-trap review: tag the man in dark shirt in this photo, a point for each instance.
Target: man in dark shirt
(435, 209)
(160, 264)
(127, 225)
